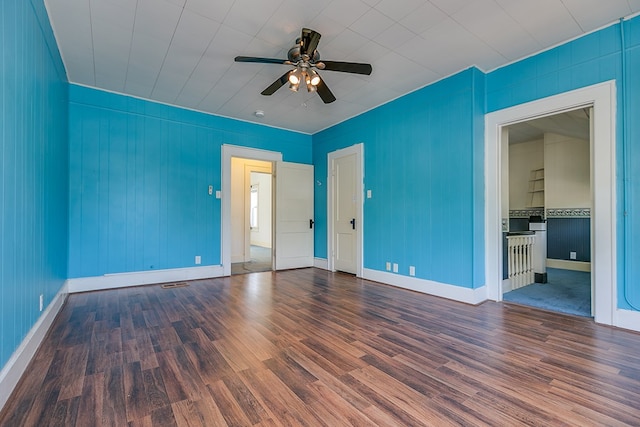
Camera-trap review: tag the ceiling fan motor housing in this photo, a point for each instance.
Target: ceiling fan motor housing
(294, 55)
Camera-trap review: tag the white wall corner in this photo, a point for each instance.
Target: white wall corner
(627, 319)
(123, 280)
(322, 263)
(20, 359)
(444, 290)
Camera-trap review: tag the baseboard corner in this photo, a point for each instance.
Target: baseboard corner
(322, 263)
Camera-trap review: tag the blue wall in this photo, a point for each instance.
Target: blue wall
(424, 164)
(139, 174)
(423, 157)
(33, 169)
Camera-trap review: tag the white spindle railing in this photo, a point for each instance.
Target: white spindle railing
(520, 260)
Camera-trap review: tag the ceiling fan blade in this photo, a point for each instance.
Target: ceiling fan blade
(276, 85)
(324, 92)
(348, 67)
(261, 60)
(309, 41)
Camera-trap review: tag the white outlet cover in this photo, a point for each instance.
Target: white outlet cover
(388, 266)
(198, 259)
(412, 270)
(395, 267)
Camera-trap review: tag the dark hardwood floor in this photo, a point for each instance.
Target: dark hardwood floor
(308, 347)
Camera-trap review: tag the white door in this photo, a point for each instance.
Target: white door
(294, 215)
(345, 213)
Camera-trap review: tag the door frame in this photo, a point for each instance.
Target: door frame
(358, 150)
(248, 170)
(229, 151)
(602, 97)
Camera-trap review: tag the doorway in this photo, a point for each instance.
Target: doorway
(548, 204)
(345, 203)
(251, 216)
(602, 97)
(292, 242)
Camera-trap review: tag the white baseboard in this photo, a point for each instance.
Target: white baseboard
(627, 319)
(506, 286)
(20, 359)
(457, 293)
(123, 280)
(322, 263)
(569, 265)
(265, 245)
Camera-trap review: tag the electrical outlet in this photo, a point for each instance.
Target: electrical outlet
(41, 302)
(368, 194)
(573, 255)
(388, 266)
(211, 190)
(198, 259)
(412, 270)
(395, 267)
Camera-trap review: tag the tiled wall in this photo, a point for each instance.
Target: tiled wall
(33, 169)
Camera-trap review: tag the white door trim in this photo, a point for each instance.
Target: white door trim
(229, 151)
(603, 154)
(358, 150)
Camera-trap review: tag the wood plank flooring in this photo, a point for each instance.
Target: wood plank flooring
(309, 347)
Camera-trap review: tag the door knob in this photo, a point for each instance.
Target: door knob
(353, 223)
(311, 223)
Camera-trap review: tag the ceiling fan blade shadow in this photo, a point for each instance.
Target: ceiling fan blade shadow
(276, 85)
(309, 41)
(348, 67)
(261, 60)
(324, 92)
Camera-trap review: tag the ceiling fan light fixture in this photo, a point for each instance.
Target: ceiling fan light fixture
(313, 78)
(295, 76)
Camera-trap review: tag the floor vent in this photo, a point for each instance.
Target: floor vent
(174, 285)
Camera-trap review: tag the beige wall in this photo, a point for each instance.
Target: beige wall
(567, 172)
(523, 158)
(567, 182)
(240, 185)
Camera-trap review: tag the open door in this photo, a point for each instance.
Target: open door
(294, 215)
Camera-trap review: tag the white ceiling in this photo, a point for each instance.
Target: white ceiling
(181, 52)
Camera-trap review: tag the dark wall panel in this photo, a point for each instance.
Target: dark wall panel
(565, 235)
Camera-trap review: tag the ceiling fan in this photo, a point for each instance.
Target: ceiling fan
(305, 57)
